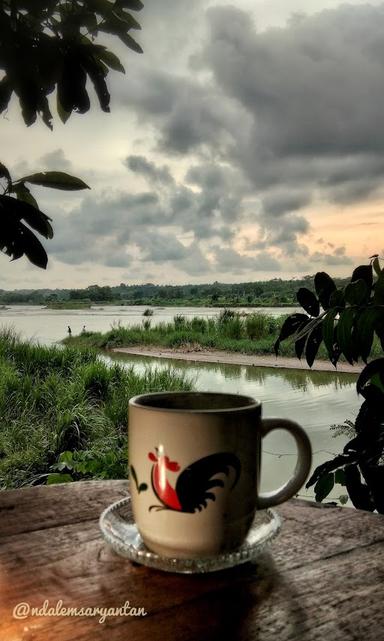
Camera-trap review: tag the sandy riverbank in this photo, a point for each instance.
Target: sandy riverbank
(234, 358)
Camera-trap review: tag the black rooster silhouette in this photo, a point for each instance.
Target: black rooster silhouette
(193, 485)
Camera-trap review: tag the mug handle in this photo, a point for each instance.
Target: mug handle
(303, 465)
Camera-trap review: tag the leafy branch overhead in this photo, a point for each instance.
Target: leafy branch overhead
(20, 213)
(348, 319)
(48, 44)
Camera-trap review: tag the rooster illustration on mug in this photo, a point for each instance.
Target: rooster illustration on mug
(194, 484)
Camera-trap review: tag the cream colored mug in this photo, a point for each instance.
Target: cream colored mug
(195, 461)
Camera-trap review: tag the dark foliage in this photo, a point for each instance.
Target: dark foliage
(349, 319)
(47, 45)
(20, 213)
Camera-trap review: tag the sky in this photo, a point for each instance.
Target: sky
(246, 143)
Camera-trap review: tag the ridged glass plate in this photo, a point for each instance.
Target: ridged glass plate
(120, 532)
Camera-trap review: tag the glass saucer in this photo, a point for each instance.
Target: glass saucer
(120, 532)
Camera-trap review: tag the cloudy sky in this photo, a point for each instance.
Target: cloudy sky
(246, 143)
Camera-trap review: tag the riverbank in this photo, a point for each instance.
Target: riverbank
(235, 358)
(227, 338)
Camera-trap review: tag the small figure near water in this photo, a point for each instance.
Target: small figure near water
(69, 331)
(83, 330)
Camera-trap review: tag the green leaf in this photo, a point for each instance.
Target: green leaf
(328, 327)
(58, 478)
(324, 286)
(377, 381)
(344, 331)
(359, 494)
(379, 329)
(34, 217)
(102, 7)
(71, 86)
(67, 459)
(308, 327)
(376, 265)
(337, 298)
(63, 114)
(356, 292)
(4, 173)
(127, 19)
(312, 345)
(6, 91)
(22, 193)
(289, 327)
(374, 367)
(109, 58)
(56, 180)
(364, 331)
(365, 273)
(130, 42)
(324, 486)
(378, 297)
(134, 5)
(34, 250)
(340, 477)
(308, 301)
(300, 343)
(97, 75)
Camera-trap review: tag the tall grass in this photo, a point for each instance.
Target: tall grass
(251, 334)
(58, 400)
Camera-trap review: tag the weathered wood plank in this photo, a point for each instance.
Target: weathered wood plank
(35, 508)
(341, 599)
(324, 576)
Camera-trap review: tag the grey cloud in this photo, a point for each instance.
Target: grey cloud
(306, 89)
(314, 93)
(330, 259)
(208, 209)
(140, 165)
(105, 226)
(100, 229)
(195, 262)
(158, 247)
(228, 259)
(296, 111)
(280, 202)
(55, 160)
(283, 235)
(186, 114)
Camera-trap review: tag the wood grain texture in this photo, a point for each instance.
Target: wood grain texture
(323, 576)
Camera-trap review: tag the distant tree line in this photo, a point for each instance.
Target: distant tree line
(273, 292)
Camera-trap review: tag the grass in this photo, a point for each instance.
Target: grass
(253, 334)
(227, 331)
(54, 401)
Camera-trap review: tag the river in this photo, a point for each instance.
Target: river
(314, 399)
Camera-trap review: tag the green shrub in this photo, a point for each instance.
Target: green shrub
(179, 321)
(199, 325)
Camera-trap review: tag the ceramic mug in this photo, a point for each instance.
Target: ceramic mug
(195, 461)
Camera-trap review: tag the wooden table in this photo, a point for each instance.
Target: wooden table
(321, 579)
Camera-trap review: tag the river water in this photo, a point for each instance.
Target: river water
(314, 399)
